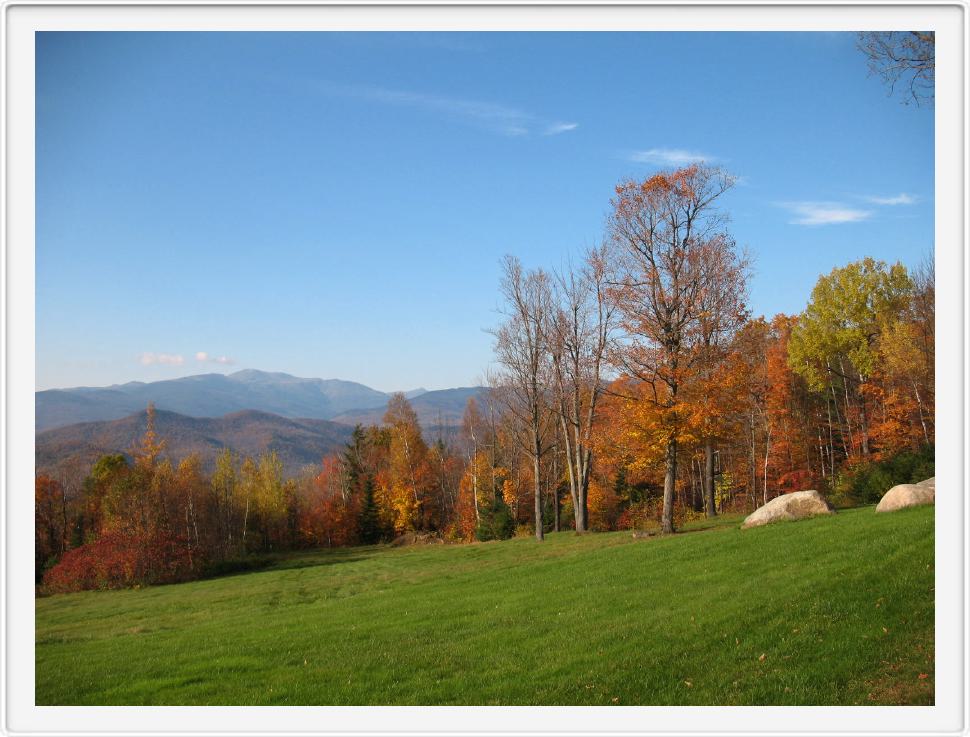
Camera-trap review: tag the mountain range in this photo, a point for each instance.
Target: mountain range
(249, 411)
(215, 395)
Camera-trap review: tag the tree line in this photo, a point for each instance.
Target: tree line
(632, 388)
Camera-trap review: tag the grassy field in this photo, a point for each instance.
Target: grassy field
(835, 610)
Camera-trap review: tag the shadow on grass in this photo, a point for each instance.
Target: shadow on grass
(290, 560)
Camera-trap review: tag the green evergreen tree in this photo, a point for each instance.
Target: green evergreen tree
(353, 459)
(496, 523)
(369, 523)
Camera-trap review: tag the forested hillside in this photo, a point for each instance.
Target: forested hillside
(68, 451)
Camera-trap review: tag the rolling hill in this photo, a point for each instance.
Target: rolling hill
(299, 442)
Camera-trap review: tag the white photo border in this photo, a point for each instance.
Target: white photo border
(18, 22)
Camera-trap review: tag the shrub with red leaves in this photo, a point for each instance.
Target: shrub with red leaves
(117, 560)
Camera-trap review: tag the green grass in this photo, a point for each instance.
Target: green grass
(835, 610)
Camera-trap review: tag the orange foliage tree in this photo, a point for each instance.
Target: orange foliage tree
(663, 231)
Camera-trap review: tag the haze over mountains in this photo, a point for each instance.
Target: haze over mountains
(249, 411)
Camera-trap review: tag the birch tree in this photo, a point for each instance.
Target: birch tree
(580, 329)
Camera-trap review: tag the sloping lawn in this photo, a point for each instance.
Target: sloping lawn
(833, 610)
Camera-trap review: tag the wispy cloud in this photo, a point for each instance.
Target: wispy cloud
(203, 357)
(900, 199)
(151, 359)
(670, 156)
(824, 213)
(556, 128)
(490, 116)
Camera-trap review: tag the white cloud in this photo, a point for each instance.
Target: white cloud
(556, 128)
(669, 156)
(824, 213)
(204, 357)
(150, 359)
(493, 117)
(900, 199)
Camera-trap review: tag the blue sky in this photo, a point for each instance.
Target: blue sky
(336, 205)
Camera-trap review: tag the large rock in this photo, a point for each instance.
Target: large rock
(908, 495)
(797, 505)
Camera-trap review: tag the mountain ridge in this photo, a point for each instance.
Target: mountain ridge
(214, 395)
(299, 442)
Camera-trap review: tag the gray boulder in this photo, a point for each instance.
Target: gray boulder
(908, 495)
(797, 505)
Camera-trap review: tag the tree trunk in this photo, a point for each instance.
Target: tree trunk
(64, 519)
(709, 478)
(754, 470)
(245, 524)
(695, 501)
(478, 519)
(670, 481)
(555, 489)
(767, 453)
(848, 425)
(821, 450)
(922, 419)
(538, 492)
(863, 420)
(584, 458)
(571, 471)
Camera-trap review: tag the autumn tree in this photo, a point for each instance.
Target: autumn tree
(721, 313)
(521, 349)
(50, 522)
(224, 483)
(269, 499)
(906, 347)
(835, 341)
(189, 492)
(474, 433)
(329, 514)
(248, 489)
(662, 230)
(409, 472)
(628, 441)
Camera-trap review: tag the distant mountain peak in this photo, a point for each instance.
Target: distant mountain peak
(257, 374)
